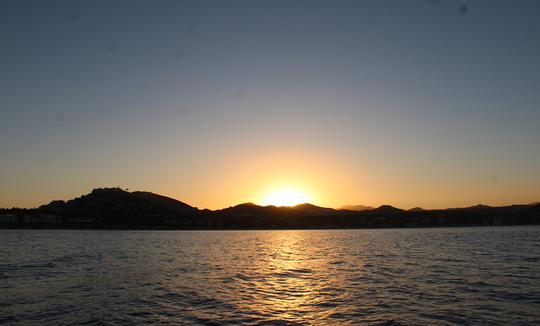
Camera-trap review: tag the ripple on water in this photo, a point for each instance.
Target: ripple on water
(380, 277)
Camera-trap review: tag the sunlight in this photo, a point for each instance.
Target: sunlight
(286, 197)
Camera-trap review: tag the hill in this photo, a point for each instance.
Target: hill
(113, 208)
(388, 210)
(117, 207)
(358, 208)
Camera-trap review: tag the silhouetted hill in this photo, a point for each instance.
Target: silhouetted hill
(162, 201)
(107, 208)
(416, 209)
(358, 208)
(387, 209)
(479, 206)
(250, 215)
(245, 209)
(118, 199)
(114, 206)
(313, 210)
(250, 209)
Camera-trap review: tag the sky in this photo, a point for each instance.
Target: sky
(215, 103)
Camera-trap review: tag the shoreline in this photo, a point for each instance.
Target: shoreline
(260, 229)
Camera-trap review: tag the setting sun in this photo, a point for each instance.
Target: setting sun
(285, 197)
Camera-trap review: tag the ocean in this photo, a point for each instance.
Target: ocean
(462, 276)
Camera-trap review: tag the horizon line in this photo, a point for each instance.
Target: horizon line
(342, 207)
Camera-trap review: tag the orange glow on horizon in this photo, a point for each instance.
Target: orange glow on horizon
(288, 196)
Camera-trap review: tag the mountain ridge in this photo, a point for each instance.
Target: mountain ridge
(118, 208)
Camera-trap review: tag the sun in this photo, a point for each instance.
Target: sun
(285, 197)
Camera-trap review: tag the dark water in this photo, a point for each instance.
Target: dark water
(407, 276)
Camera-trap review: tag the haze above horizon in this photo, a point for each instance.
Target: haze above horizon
(409, 103)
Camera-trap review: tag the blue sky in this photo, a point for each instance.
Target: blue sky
(412, 103)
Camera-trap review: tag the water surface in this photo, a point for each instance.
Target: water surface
(394, 276)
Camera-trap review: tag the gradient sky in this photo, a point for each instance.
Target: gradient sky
(409, 103)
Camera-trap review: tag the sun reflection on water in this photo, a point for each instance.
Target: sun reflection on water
(291, 279)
